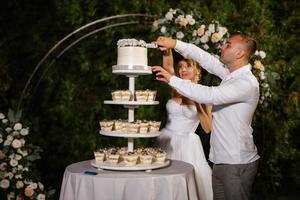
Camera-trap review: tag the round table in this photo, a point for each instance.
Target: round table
(175, 182)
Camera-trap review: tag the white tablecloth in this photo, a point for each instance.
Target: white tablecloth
(175, 182)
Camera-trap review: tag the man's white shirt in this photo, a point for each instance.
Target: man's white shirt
(234, 102)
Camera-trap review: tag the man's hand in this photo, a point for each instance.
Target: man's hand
(165, 43)
(161, 74)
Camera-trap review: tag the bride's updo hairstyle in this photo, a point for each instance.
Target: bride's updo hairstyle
(196, 68)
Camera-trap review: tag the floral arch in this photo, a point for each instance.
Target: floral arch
(189, 27)
(193, 28)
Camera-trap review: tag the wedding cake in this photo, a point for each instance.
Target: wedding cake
(132, 52)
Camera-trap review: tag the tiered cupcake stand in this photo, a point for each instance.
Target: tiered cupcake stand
(131, 72)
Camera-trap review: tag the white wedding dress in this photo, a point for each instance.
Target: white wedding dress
(180, 142)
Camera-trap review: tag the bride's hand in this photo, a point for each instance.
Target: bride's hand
(161, 74)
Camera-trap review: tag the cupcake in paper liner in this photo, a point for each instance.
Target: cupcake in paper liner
(154, 126)
(126, 95)
(106, 125)
(144, 127)
(99, 156)
(160, 156)
(116, 95)
(130, 159)
(141, 95)
(146, 158)
(151, 95)
(133, 127)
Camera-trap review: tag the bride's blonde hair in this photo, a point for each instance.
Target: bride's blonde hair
(197, 75)
(196, 69)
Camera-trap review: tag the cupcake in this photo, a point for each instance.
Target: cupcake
(113, 156)
(154, 126)
(160, 156)
(122, 151)
(133, 127)
(99, 155)
(144, 127)
(116, 95)
(118, 125)
(126, 95)
(130, 159)
(151, 95)
(106, 125)
(141, 95)
(146, 158)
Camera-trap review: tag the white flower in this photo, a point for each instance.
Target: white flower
(33, 185)
(18, 126)
(163, 29)
(18, 176)
(24, 131)
(192, 22)
(211, 28)
(169, 16)
(4, 183)
(7, 142)
(4, 121)
(262, 54)
(194, 33)
(161, 21)
(222, 30)
(1, 140)
(205, 46)
(179, 35)
(16, 144)
(9, 175)
(204, 39)
(18, 157)
(23, 153)
(2, 116)
(41, 186)
(22, 141)
(262, 75)
(19, 184)
(13, 162)
(189, 17)
(8, 129)
(256, 53)
(207, 33)
(41, 197)
(202, 26)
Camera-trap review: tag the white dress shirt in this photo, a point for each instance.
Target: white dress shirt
(234, 102)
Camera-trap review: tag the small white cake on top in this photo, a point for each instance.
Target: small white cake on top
(132, 52)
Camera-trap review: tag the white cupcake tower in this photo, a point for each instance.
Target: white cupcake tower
(130, 72)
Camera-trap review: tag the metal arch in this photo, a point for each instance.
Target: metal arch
(75, 42)
(64, 39)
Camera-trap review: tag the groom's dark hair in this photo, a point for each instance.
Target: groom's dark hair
(248, 41)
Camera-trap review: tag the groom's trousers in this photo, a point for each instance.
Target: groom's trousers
(233, 181)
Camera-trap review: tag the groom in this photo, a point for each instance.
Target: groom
(232, 149)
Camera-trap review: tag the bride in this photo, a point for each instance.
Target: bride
(178, 138)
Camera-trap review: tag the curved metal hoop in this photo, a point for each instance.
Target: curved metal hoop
(75, 42)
